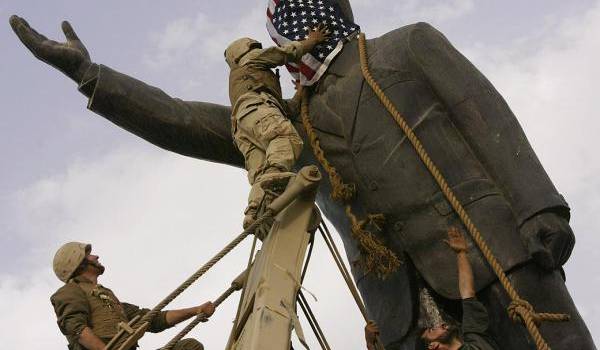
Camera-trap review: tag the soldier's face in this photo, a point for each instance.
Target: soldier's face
(438, 338)
(94, 263)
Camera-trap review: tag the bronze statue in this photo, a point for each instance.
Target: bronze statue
(469, 131)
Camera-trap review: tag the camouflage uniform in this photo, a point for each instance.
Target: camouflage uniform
(81, 303)
(266, 138)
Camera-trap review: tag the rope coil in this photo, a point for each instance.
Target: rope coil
(375, 256)
(519, 309)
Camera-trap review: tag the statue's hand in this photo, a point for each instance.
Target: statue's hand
(549, 239)
(71, 57)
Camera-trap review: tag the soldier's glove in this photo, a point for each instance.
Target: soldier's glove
(70, 57)
(549, 239)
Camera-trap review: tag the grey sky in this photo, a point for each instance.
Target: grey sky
(68, 174)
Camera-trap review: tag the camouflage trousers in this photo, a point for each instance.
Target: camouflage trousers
(269, 142)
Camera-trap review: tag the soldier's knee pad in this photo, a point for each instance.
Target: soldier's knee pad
(189, 344)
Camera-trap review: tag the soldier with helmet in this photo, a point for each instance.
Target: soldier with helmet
(88, 314)
(268, 141)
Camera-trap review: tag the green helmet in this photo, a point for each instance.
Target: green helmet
(68, 258)
(237, 49)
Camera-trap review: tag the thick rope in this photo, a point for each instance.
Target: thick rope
(375, 256)
(149, 316)
(519, 309)
(337, 257)
(212, 262)
(199, 318)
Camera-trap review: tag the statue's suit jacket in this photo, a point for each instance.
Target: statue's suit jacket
(463, 122)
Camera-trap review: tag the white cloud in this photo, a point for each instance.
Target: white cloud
(201, 40)
(370, 13)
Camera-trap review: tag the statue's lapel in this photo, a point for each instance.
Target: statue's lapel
(334, 104)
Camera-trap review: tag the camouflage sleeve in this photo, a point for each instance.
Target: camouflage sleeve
(72, 310)
(274, 56)
(475, 317)
(158, 324)
(474, 326)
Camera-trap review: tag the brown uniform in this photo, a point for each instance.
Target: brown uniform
(263, 134)
(80, 303)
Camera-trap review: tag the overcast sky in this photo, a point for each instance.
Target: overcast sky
(154, 217)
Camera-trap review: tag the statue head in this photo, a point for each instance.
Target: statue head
(238, 49)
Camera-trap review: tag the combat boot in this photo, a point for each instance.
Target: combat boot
(264, 191)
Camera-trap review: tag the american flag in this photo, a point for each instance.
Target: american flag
(291, 20)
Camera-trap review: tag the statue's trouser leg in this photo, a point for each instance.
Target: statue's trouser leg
(270, 145)
(547, 292)
(188, 344)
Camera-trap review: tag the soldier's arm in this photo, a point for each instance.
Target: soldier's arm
(276, 56)
(492, 131)
(72, 313)
(157, 324)
(174, 317)
(466, 282)
(195, 129)
(90, 341)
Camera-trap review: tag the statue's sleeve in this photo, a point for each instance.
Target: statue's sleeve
(196, 129)
(486, 122)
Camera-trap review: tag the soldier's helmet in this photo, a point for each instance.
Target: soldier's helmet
(68, 258)
(237, 49)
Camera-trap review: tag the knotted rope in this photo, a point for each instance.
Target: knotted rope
(375, 256)
(519, 309)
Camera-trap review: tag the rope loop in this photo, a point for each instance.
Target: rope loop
(375, 256)
(520, 310)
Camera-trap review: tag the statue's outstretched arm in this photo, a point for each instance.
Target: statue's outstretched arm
(495, 136)
(195, 129)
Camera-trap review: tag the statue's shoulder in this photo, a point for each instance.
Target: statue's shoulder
(411, 32)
